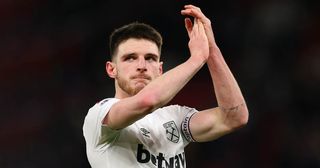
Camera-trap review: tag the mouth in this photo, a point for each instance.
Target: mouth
(141, 77)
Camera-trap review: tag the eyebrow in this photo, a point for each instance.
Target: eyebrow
(127, 55)
(153, 55)
(135, 54)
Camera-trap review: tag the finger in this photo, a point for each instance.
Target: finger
(195, 12)
(191, 10)
(186, 12)
(191, 6)
(187, 7)
(201, 27)
(188, 25)
(195, 24)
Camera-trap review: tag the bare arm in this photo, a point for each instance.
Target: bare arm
(160, 91)
(231, 112)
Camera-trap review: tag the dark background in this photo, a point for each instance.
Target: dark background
(52, 58)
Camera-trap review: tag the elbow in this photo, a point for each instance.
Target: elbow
(241, 119)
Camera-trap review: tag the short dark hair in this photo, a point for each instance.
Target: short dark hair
(133, 30)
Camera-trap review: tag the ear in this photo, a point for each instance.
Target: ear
(160, 68)
(111, 69)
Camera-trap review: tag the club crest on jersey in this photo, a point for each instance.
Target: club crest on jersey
(172, 131)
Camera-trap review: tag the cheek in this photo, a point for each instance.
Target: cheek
(124, 72)
(156, 70)
(124, 69)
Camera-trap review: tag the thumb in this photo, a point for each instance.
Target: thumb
(188, 25)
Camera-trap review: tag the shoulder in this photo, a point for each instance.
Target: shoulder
(101, 106)
(179, 108)
(97, 112)
(107, 101)
(104, 102)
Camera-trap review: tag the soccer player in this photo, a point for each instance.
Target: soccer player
(135, 128)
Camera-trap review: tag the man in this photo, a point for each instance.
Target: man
(135, 129)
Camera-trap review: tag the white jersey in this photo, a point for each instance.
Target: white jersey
(155, 141)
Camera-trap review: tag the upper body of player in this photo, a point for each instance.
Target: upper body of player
(135, 129)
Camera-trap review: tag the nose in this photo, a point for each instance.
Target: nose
(141, 65)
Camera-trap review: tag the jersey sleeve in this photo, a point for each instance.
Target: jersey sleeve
(185, 124)
(94, 131)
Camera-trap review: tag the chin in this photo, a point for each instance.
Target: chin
(138, 88)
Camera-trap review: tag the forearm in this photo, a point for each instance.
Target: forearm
(227, 90)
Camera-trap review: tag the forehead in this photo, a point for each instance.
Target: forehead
(137, 46)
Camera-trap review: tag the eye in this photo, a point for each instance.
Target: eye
(129, 58)
(151, 58)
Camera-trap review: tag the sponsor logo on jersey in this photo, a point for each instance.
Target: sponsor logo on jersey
(172, 131)
(159, 160)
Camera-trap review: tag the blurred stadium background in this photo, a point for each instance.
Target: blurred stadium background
(52, 58)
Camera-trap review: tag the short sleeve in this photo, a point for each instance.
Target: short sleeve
(185, 124)
(94, 131)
